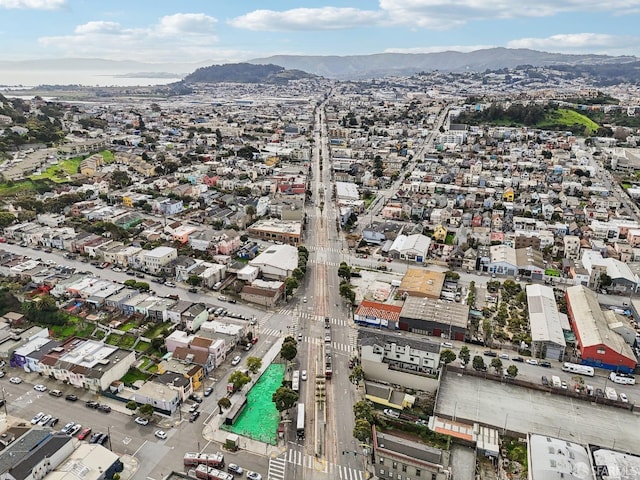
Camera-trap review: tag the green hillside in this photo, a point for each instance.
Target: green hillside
(556, 119)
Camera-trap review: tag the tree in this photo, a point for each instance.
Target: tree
(512, 371)
(132, 405)
(239, 380)
(289, 351)
(362, 409)
(447, 356)
(362, 430)
(120, 179)
(605, 280)
(254, 364)
(346, 292)
(464, 354)
(344, 271)
(223, 403)
(357, 374)
(194, 280)
(284, 398)
(478, 363)
(290, 284)
(496, 364)
(250, 210)
(130, 283)
(6, 219)
(146, 410)
(297, 274)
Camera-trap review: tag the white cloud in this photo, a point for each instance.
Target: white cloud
(183, 36)
(186, 23)
(579, 43)
(33, 4)
(427, 14)
(325, 18)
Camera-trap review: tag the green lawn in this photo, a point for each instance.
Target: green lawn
(134, 375)
(113, 339)
(62, 332)
(128, 326)
(108, 156)
(156, 329)
(143, 346)
(127, 341)
(8, 189)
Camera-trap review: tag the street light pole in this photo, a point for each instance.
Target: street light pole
(109, 437)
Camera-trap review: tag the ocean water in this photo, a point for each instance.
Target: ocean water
(33, 78)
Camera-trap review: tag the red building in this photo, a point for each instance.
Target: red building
(597, 344)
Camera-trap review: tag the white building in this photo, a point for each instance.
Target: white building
(154, 260)
(546, 323)
(277, 261)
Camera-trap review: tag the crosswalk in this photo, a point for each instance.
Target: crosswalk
(342, 322)
(335, 471)
(277, 468)
(339, 347)
(314, 248)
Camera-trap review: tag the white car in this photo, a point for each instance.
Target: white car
(236, 360)
(564, 385)
(15, 380)
(75, 429)
(623, 397)
(254, 476)
(303, 375)
(40, 388)
(391, 413)
(504, 356)
(446, 345)
(142, 421)
(37, 418)
(161, 434)
(44, 420)
(532, 361)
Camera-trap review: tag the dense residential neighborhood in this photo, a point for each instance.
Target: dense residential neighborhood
(382, 239)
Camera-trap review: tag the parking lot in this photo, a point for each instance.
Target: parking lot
(524, 410)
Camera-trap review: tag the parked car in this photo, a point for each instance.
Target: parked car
(102, 439)
(236, 360)
(44, 420)
(303, 375)
(235, 469)
(623, 397)
(39, 387)
(194, 416)
(564, 385)
(142, 421)
(36, 418)
(489, 353)
(84, 433)
(71, 397)
(169, 284)
(193, 290)
(391, 413)
(194, 407)
(254, 475)
(208, 391)
(161, 434)
(54, 421)
(67, 427)
(545, 381)
(104, 408)
(75, 429)
(518, 359)
(446, 345)
(94, 438)
(15, 380)
(55, 393)
(504, 356)
(195, 398)
(532, 361)
(545, 364)
(92, 404)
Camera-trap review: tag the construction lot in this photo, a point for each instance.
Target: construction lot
(518, 409)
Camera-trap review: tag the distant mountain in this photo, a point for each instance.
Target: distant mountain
(244, 73)
(385, 64)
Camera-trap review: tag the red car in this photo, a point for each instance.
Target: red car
(84, 433)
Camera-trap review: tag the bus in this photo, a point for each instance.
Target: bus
(295, 381)
(622, 378)
(300, 423)
(328, 369)
(576, 368)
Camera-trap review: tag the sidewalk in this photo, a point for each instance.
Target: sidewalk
(131, 465)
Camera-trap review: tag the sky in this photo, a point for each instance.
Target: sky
(226, 31)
